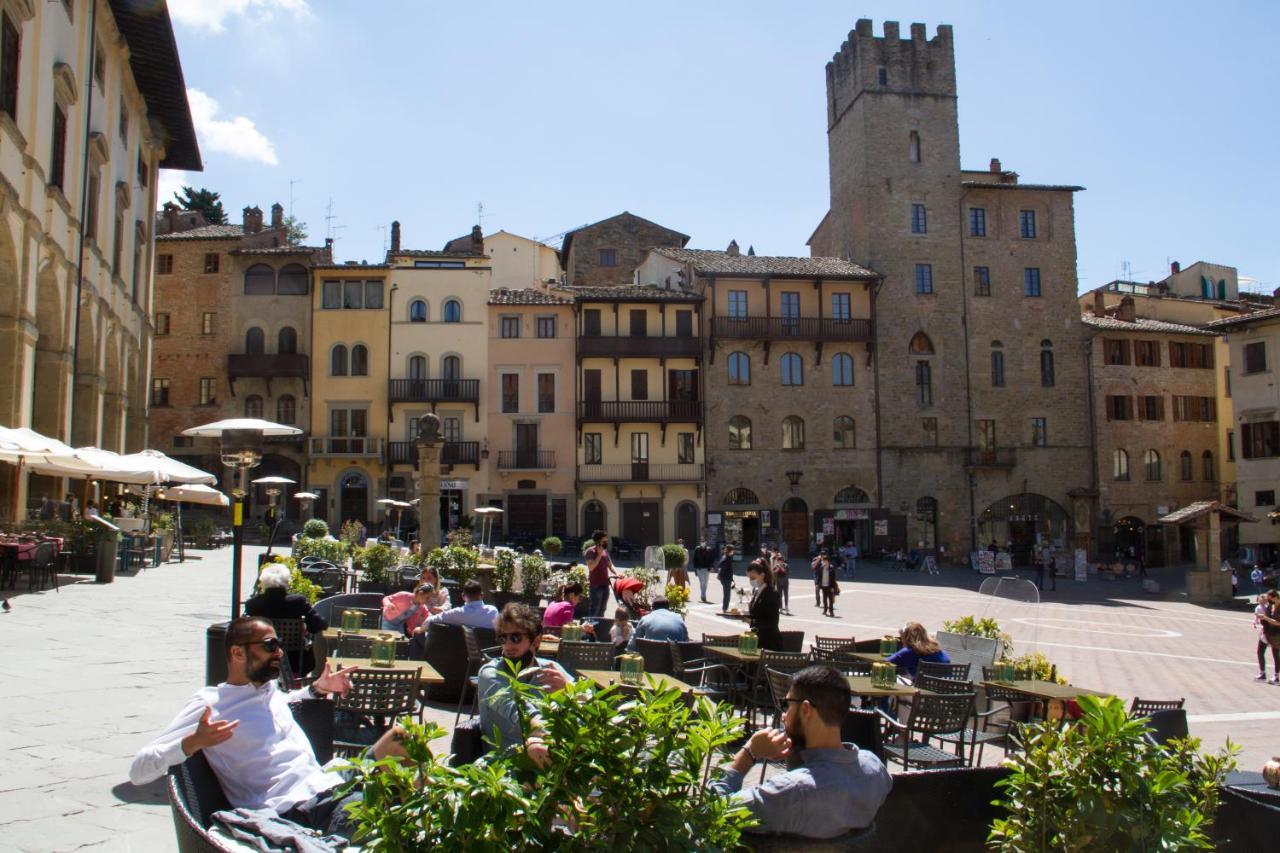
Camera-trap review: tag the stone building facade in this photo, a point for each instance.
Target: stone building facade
(979, 347)
(82, 137)
(608, 252)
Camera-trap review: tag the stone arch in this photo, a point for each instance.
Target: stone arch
(852, 495)
(53, 355)
(740, 497)
(920, 344)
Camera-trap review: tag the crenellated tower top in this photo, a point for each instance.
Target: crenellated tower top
(867, 63)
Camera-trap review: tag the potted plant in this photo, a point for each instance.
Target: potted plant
(202, 530)
(533, 571)
(315, 528)
(162, 525)
(329, 550)
(375, 564)
(673, 556)
(552, 546)
(678, 597)
(504, 576)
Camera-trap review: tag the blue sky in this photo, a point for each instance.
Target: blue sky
(709, 117)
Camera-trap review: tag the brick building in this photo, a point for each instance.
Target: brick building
(608, 252)
(978, 355)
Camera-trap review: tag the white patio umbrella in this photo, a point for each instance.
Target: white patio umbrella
(487, 514)
(166, 469)
(215, 429)
(193, 493)
(25, 447)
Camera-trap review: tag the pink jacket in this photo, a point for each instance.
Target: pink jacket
(395, 606)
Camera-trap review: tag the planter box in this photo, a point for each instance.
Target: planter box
(372, 586)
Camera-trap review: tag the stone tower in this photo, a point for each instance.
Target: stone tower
(954, 440)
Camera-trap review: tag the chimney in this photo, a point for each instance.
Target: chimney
(395, 236)
(751, 251)
(477, 240)
(170, 217)
(328, 249)
(1099, 304)
(1126, 312)
(277, 215)
(995, 166)
(732, 251)
(252, 220)
(1175, 268)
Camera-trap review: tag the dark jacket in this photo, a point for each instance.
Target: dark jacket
(279, 604)
(724, 568)
(703, 556)
(765, 607)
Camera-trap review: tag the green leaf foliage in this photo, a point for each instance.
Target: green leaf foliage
(989, 628)
(315, 528)
(1099, 784)
(375, 562)
(206, 201)
(551, 546)
(673, 556)
(329, 550)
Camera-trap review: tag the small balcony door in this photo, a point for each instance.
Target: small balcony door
(526, 445)
(639, 456)
(591, 393)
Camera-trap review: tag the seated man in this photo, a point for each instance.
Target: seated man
(518, 631)
(473, 612)
(662, 623)
(261, 757)
(832, 788)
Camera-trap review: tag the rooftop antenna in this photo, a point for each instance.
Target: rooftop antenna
(292, 181)
(383, 229)
(1126, 270)
(480, 215)
(328, 218)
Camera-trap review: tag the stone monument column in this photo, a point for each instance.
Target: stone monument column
(428, 445)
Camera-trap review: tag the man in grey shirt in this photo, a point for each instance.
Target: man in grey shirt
(832, 788)
(661, 624)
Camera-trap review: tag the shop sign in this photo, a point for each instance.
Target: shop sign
(766, 518)
(1031, 516)
(882, 527)
(850, 514)
(713, 518)
(453, 485)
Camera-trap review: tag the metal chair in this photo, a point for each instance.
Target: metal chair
(375, 697)
(475, 659)
(950, 671)
(355, 646)
(1167, 725)
(832, 644)
(1021, 709)
(1148, 707)
(976, 737)
(292, 634)
(409, 576)
(779, 684)
(720, 640)
(332, 579)
(656, 654)
(42, 567)
(931, 714)
(759, 698)
(715, 681)
(576, 656)
(792, 641)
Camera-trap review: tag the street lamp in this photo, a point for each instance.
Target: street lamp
(274, 486)
(793, 477)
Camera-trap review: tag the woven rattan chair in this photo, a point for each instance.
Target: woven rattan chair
(720, 640)
(355, 646)
(375, 700)
(931, 714)
(832, 644)
(656, 654)
(951, 671)
(713, 680)
(292, 634)
(576, 656)
(1147, 707)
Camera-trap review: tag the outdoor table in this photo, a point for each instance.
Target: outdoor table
(1052, 696)
(874, 657)
(860, 685)
(335, 634)
(607, 677)
(549, 647)
(733, 654)
(427, 674)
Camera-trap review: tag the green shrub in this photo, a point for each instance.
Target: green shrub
(162, 521)
(551, 546)
(315, 528)
(202, 529)
(623, 775)
(1101, 785)
(350, 536)
(533, 571)
(504, 569)
(457, 563)
(375, 562)
(1041, 668)
(298, 582)
(563, 577)
(989, 628)
(329, 550)
(673, 556)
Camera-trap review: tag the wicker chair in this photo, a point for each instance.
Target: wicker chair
(951, 671)
(576, 656)
(977, 735)
(832, 644)
(779, 684)
(1147, 707)
(715, 681)
(355, 646)
(475, 659)
(292, 634)
(931, 714)
(656, 654)
(720, 640)
(368, 709)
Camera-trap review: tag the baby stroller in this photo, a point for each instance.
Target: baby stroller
(624, 591)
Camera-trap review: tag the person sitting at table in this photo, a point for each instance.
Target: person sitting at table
(262, 758)
(91, 510)
(439, 601)
(831, 788)
(407, 612)
(661, 623)
(518, 636)
(473, 613)
(560, 613)
(765, 605)
(917, 645)
(274, 601)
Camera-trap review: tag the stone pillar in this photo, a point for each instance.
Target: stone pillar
(428, 444)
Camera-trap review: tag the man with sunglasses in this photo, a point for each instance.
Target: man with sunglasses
(831, 788)
(517, 630)
(261, 757)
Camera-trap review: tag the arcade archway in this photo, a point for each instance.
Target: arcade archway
(1021, 522)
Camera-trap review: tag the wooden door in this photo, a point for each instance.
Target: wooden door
(641, 523)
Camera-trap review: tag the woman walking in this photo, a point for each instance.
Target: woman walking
(1266, 616)
(765, 605)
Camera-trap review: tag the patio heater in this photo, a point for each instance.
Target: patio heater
(306, 499)
(275, 485)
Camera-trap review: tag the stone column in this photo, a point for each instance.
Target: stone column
(428, 445)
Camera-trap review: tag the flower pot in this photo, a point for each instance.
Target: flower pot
(1271, 772)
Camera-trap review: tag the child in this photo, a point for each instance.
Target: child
(620, 633)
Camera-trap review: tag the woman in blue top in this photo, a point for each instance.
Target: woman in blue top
(917, 645)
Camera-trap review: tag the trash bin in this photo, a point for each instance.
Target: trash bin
(107, 548)
(215, 653)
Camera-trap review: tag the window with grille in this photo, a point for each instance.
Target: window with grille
(919, 223)
(253, 406)
(286, 410)
(1185, 467)
(1208, 470)
(981, 281)
(977, 222)
(1027, 224)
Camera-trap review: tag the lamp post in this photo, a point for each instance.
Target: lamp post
(306, 499)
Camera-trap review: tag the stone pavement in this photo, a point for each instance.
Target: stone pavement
(92, 672)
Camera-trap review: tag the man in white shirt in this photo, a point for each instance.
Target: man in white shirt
(473, 613)
(261, 757)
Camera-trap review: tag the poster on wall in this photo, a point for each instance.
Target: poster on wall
(983, 562)
(1004, 561)
(828, 526)
(1082, 565)
(882, 527)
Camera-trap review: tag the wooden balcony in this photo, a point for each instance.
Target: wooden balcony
(640, 411)
(277, 366)
(639, 347)
(451, 453)
(641, 472)
(790, 328)
(996, 457)
(526, 460)
(434, 391)
(355, 446)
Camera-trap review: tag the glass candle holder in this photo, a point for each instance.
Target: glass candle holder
(571, 631)
(748, 643)
(883, 674)
(631, 668)
(352, 620)
(888, 645)
(383, 650)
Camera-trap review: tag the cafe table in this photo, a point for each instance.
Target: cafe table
(334, 634)
(606, 677)
(860, 685)
(873, 657)
(1053, 696)
(549, 646)
(427, 674)
(733, 654)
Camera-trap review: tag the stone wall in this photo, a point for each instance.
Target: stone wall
(631, 237)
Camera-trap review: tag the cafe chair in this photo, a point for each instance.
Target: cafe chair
(355, 646)
(712, 680)
(832, 644)
(720, 640)
(1164, 726)
(576, 656)
(1147, 707)
(792, 641)
(43, 569)
(862, 729)
(759, 699)
(1020, 708)
(409, 577)
(952, 671)
(931, 714)
(292, 634)
(376, 699)
(475, 659)
(779, 684)
(977, 734)
(656, 654)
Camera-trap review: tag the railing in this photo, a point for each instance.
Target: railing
(526, 460)
(353, 446)
(638, 347)
(792, 328)
(278, 366)
(641, 472)
(451, 453)
(434, 390)
(999, 457)
(640, 410)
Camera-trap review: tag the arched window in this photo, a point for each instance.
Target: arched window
(1185, 465)
(739, 368)
(338, 361)
(739, 433)
(842, 369)
(451, 367)
(253, 406)
(1120, 465)
(1151, 462)
(286, 409)
(913, 146)
(1046, 363)
(418, 367)
(1207, 470)
(287, 341)
(292, 281)
(359, 360)
(453, 311)
(852, 495)
(843, 436)
(793, 433)
(740, 497)
(259, 280)
(255, 342)
(997, 364)
(792, 369)
(417, 311)
(921, 345)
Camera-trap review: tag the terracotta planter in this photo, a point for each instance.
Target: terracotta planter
(1271, 772)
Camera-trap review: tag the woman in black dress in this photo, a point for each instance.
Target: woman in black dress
(766, 604)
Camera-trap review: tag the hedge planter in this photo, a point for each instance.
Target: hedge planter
(372, 586)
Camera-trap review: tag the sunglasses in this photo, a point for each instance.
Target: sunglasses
(270, 646)
(511, 638)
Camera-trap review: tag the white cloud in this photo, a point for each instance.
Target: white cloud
(210, 14)
(237, 136)
(171, 181)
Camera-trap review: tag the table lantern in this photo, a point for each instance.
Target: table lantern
(352, 620)
(632, 668)
(383, 650)
(571, 631)
(749, 643)
(883, 674)
(1006, 671)
(888, 645)
(1024, 672)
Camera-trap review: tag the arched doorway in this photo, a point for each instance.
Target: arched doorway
(742, 525)
(795, 526)
(593, 518)
(1023, 521)
(353, 497)
(687, 523)
(1130, 532)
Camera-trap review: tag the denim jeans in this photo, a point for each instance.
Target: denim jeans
(598, 601)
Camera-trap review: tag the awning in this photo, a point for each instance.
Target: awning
(1191, 512)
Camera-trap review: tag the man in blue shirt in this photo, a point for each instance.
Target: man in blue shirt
(660, 624)
(832, 788)
(473, 613)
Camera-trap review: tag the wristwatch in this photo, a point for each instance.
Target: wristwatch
(315, 694)
(752, 755)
